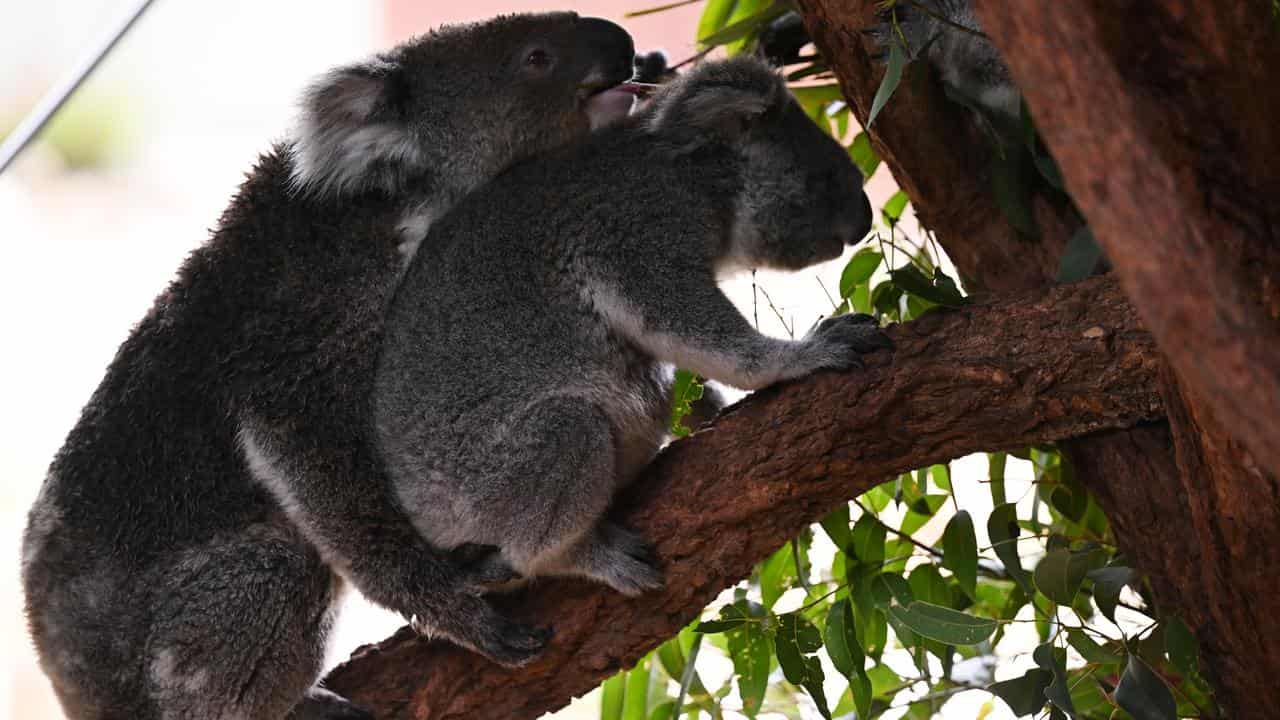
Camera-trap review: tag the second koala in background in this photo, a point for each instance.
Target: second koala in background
(947, 32)
(525, 372)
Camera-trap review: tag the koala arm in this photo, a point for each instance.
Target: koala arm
(681, 316)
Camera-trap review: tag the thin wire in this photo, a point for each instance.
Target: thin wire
(49, 105)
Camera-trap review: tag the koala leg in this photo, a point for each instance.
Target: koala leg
(238, 630)
(560, 477)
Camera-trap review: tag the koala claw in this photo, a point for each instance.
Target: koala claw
(629, 564)
(853, 335)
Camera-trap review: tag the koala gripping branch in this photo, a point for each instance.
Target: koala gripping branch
(993, 375)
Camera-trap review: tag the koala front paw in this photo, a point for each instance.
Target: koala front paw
(482, 568)
(845, 338)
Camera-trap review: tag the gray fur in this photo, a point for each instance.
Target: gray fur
(525, 374)
(187, 550)
(970, 66)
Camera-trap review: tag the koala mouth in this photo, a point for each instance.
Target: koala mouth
(607, 105)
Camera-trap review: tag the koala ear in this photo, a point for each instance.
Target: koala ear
(717, 112)
(352, 128)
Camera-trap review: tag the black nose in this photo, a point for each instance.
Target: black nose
(610, 45)
(862, 220)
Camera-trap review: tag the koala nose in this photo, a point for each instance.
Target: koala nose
(861, 222)
(610, 45)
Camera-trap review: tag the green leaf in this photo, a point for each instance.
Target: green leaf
(888, 589)
(920, 512)
(813, 678)
(1054, 660)
(927, 584)
(1060, 573)
(751, 653)
(960, 552)
(1142, 693)
(864, 155)
(612, 692)
(1107, 584)
(776, 574)
(860, 689)
(1024, 695)
(1080, 256)
(943, 624)
(1003, 531)
(801, 632)
(894, 207)
(836, 525)
(885, 296)
(842, 639)
(1090, 650)
(746, 27)
(859, 270)
(868, 541)
(892, 76)
(941, 290)
(995, 473)
(1181, 646)
(664, 711)
(635, 704)
(810, 95)
(715, 15)
(731, 616)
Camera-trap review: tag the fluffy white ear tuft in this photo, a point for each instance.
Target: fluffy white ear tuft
(351, 134)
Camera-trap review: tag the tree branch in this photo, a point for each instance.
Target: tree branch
(993, 375)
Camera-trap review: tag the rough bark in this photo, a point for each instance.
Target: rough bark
(1161, 110)
(1179, 180)
(1164, 118)
(994, 375)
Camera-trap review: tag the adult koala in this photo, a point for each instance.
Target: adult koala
(525, 372)
(187, 549)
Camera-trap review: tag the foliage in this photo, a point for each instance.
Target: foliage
(922, 589)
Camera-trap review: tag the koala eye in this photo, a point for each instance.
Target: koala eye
(538, 58)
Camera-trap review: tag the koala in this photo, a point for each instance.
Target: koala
(525, 369)
(187, 551)
(948, 34)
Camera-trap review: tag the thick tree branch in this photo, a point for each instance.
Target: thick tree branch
(1177, 100)
(993, 375)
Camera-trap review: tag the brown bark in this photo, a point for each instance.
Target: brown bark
(1164, 118)
(1031, 368)
(1179, 180)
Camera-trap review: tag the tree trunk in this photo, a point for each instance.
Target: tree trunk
(1166, 124)
(1032, 367)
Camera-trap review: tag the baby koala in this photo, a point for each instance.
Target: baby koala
(524, 375)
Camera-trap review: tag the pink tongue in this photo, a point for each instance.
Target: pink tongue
(610, 106)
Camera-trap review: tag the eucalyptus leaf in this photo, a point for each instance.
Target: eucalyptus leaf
(943, 624)
(864, 155)
(1059, 574)
(842, 639)
(752, 654)
(1107, 584)
(1003, 531)
(1054, 660)
(1142, 693)
(892, 76)
(960, 551)
(859, 270)
(1024, 695)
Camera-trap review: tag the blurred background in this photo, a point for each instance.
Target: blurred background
(100, 211)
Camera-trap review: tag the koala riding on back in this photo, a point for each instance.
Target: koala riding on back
(525, 373)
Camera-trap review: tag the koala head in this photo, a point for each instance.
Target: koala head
(798, 196)
(461, 103)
